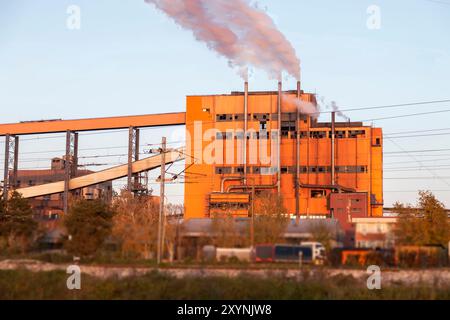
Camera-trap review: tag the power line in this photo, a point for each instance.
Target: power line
(407, 115)
(416, 131)
(416, 151)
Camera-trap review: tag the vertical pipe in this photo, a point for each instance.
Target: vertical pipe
(136, 157)
(6, 169)
(67, 170)
(280, 88)
(130, 159)
(245, 130)
(333, 148)
(75, 155)
(160, 248)
(297, 158)
(16, 162)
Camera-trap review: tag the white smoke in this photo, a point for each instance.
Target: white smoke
(304, 107)
(332, 105)
(235, 29)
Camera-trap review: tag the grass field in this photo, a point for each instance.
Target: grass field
(21, 284)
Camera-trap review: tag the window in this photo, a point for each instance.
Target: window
(262, 125)
(318, 134)
(239, 170)
(356, 133)
(224, 135)
(378, 142)
(318, 193)
(221, 117)
(256, 170)
(223, 170)
(239, 135)
(284, 169)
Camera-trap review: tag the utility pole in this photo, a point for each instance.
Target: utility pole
(161, 221)
(252, 225)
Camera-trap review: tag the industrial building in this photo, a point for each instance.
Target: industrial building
(238, 147)
(51, 206)
(321, 169)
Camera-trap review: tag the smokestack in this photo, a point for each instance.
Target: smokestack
(297, 158)
(333, 148)
(280, 88)
(245, 130)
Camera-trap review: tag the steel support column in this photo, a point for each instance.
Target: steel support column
(69, 162)
(133, 180)
(11, 164)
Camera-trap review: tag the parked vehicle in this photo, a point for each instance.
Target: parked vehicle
(308, 252)
(234, 254)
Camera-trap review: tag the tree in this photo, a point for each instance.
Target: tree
(271, 218)
(425, 225)
(135, 225)
(17, 226)
(88, 224)
(227, 232)
(322, 233)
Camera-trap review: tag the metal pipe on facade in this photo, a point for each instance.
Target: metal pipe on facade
(242, 187)
(245, 130)
(297, 157)
(333, 148)
(6, 169)
(222, 183)
(280, 88)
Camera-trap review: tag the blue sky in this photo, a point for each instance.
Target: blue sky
(129, 58)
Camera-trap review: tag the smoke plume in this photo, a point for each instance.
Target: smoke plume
(235, 29)
(304, 107)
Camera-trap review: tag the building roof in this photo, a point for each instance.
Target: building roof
(200, 227)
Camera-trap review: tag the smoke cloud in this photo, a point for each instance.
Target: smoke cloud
(242, 33)
(304, 107)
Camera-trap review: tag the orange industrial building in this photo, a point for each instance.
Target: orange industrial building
(321, 170)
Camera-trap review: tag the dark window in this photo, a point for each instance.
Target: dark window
(239, 170)
(318, 193)
(262, 125)
(284, 169)
(223, 170)
(221, 117)
(378, 141)
(318, 134)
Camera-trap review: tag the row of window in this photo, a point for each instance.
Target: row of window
(290, 132)
(259, 117)
(284, 170)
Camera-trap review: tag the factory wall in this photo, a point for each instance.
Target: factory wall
(214, 130)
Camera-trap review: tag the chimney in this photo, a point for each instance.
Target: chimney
(280, 88)
(245, 130)
(297, 158)
(333, 148)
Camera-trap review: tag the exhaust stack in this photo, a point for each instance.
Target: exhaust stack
(333, 148)
(297, 158)
(280, 88)
(245, 130)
